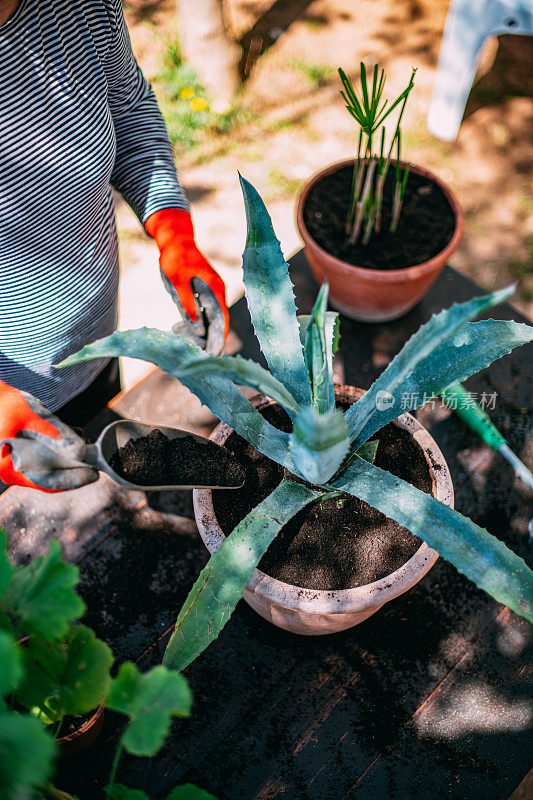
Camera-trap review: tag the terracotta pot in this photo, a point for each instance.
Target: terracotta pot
(84, 736)
(375, 295)
(309, 611)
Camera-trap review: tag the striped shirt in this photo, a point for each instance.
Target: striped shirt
(77, 117)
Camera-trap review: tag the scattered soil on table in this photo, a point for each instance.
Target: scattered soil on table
(426, 223)
(338, 543)
(156, 460)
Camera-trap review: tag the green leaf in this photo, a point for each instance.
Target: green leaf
(221, 583)
(419, 347)
(189, 792)
(318, 357)
(41, 596)
(72, 673)
(319, 444)
(368, 451)
(26, 756)
(248, 373)
(471, 549)
(149, 699)
(173, 353)
(270, 298)
(473, 347)
(11, 669)
(332, 320)
(120, 792)
(5, 567)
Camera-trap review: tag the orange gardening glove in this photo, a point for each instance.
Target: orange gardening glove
(181, 261)
(15, 416)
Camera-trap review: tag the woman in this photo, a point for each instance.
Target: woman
(77, 117)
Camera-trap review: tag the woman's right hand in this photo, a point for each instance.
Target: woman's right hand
(54, 457)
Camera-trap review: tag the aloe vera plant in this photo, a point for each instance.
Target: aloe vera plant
(332, 451)
(370, 169)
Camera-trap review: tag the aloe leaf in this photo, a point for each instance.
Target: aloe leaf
(332, 337)
(473, 347)
(419, 347)
(319, 443)
(332, 324)
(471, 549)
(173, 353)
(368, 451)
(270, 298)
(220, 585)
(248, 373)
(318, 356)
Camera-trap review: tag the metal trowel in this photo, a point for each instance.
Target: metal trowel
(117, 434)
(68, 461)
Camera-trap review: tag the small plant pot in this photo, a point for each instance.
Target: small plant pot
(313, 612)
(83, 737)
(368, 294)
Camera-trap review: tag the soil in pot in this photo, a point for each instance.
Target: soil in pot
(155, 460)
(71, 724)
(426, 225)
(334, 544)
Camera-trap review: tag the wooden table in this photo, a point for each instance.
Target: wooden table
(430, 698)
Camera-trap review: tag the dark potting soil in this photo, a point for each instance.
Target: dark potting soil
(72, 723)
(155, 460)
(338, 543)
(426, 223)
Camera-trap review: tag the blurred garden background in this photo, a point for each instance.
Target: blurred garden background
(288, 120)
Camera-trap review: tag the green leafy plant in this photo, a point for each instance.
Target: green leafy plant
(63, 669)
(316, 72)
(331, 451)
(186, 105)
(370, 169)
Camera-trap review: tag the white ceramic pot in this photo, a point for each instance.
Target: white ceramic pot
(311, 611)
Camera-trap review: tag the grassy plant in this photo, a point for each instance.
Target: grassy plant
(371, 168)
(186, 105)
(317, 73)
(282, 184)
(330, 450)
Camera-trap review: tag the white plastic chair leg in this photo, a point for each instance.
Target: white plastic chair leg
(468, 24)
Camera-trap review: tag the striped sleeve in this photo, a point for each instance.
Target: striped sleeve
(144, 171)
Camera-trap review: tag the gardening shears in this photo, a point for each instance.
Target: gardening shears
(461, 401)
(69, 462)
(208, 331)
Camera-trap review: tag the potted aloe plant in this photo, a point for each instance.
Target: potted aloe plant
(55, 684)
(379, 230)
(309, 449)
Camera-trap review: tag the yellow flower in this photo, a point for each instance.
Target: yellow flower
(187, 92)
(198, 104)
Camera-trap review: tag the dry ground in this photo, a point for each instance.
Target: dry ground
(299, 124)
